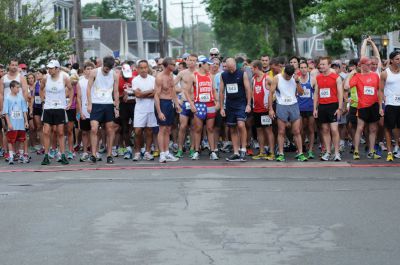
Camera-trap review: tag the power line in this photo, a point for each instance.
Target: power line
(183, 22)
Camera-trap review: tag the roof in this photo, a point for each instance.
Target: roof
(110, 30)
(150, 32)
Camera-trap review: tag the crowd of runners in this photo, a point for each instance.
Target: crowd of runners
(182, 108)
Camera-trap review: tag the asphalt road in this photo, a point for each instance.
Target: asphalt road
(200, 213)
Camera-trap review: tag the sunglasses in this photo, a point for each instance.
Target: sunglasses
(214, 54)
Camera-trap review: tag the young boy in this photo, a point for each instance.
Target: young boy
(15, 110)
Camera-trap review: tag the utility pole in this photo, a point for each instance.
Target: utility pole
(296, 44)
(160, 30)
(139, 29)
(78, 33)
(192, 32)
(165, 29)
(183, 23)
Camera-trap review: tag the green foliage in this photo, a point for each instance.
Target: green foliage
(355, 18)
(334, 46)
(30, 39)
(124, 9)
(241, 25)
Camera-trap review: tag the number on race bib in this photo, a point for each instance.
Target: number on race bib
(56, 103)
(38, 100)
(287, 100)
(187, 105)
(325, 93)
(232, 88)
(266, 120)
(204, 97)
(307, 93)
(397, 99)
(16, 115)
(369, 90)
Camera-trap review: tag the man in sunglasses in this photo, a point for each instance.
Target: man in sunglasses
(214, 53)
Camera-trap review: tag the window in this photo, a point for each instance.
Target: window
(319, 45)
(154, 47)
(305, 46)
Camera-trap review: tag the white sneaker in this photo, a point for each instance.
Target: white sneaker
(383, 147)
(98, 156)
(196, 156)
(136, 157)
(326, 157)
(362, 140)
(396, 149)
(337, 158)
(114, 152)
(171, 158)
(213, 156)
(397, 155)
(162, 158)
(148, 157)
(84, 157)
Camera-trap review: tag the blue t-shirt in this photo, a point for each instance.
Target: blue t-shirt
(14, 107)
(306, 101)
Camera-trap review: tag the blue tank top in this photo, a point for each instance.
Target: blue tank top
(234, 89)
(306, 101)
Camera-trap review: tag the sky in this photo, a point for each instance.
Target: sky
(174, 12)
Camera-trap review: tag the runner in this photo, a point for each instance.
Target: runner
(390, 93)
(103, 105)
(15, 110)
(306, 106)
(263, 123)
(265, 63)
(367, 84)
(71, 114)
(328, 99)
(286, 86)
(205, 107)
(165, 98)
(238, 98)
(37, 109)
(53, 90)
(83, 114)
(144, 119)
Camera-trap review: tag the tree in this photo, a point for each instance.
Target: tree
(29, 38)
(124, 9)
(352, 19)
(260, 17)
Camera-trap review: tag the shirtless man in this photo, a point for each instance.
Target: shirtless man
(165, 98)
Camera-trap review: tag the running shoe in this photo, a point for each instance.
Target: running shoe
(382, 146)
(179, 154)
(1, 152)
(396, 150)
(326, 156)
(259, 156)
(337, 158)
(270, 157)
(128, 153)
(121, 151)
(249, 151)
(98, 157)
(84, 157)
(171, 158)
(148, 157)
(102, 149)
(162, 158)
(310, 154)
(191, 152)
(301, 157)
(373, 155)
(136, 157)
(40, 151)
(64, 160)
(11, 160)
(233, 158)
(389, 157)
(205, 144)
(52, 153)
(46, 160)
(93, 159)
(70, 155)
(242, 155)
(356, 156)
(280, 158)
(110, 160)
(156, 153)
(196, 156)
(114, 152)
(25, 159)
(213, 156)
(226, 147)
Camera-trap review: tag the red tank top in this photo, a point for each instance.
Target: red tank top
(122, 85)
(327, 88)
(203, 91)
(260, 95)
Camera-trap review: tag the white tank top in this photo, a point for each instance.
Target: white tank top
(392, 88)
(7, 81)
(286, 91)
(55, 93)
(102, 90)
(83, 82)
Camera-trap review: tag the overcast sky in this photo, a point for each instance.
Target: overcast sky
(174, 12)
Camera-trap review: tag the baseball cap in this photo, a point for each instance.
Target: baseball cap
(204, 59)
(126, 70)
(214, 51)
(22, 66)
(53, 63)
(185, 56)
(152, 63)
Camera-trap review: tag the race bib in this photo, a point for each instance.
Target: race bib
(397, 99)
(38, 100)
(307, 93)
(369, 90)
(266, 120)
(16, 115)
(232, 88)
(67, 100)
(55, 103)
(187, 105)
(204, 97)
(325, 93)
(101, 93)
(288, 100)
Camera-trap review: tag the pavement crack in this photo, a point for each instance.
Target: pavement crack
(184, 194)
(211, 260)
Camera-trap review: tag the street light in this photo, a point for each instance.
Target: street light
(385, 42)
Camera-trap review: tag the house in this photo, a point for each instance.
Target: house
(150, 40)
(312, 45)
